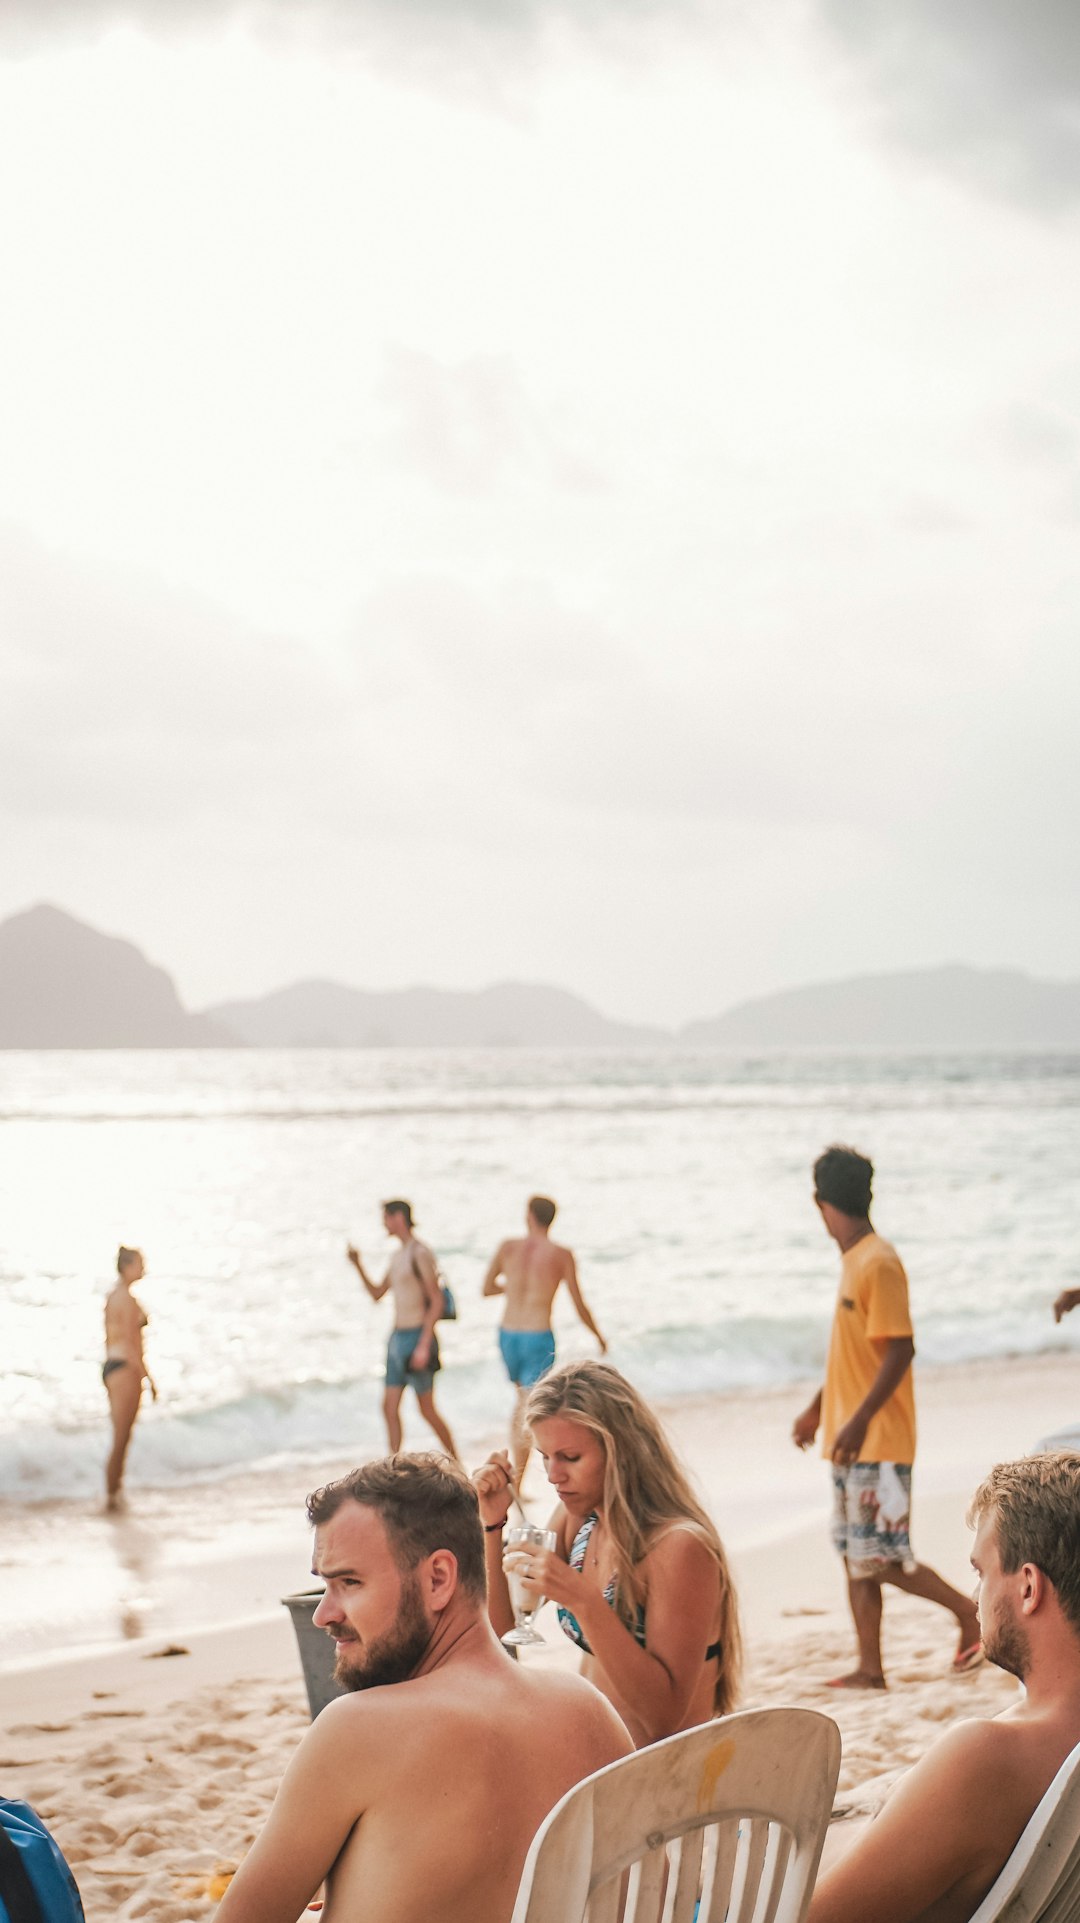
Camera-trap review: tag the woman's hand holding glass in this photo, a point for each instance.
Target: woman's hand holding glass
(527, 1558)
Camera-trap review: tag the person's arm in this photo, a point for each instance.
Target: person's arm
(579, 1302)
(654, 1685)
(896, 1352)
(322, 1794)
(492, 1284)
(423, 1266)
(376, 1290)
(806, 1426)
(138, 1324)
(494, 1484)
(1068, 1299)
(949, 1825)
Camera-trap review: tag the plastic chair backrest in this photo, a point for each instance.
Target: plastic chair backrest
(1040, 1883)
(736, 1809)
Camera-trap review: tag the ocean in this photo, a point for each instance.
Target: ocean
(683, 1182)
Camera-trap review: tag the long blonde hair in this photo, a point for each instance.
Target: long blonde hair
(647, 1492)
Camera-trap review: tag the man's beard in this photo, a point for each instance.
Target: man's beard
(395, 1656)
(1006, 1644)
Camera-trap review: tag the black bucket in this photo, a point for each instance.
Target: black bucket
(317, 1651)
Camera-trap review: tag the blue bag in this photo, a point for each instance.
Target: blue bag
(36, 1885)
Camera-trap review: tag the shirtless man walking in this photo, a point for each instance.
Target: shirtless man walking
(412, 1355)
(532, 1267)
(417, 1794)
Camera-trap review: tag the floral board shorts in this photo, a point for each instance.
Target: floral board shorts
(871, 1515)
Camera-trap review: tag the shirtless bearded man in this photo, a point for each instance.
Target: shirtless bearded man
(532, 1267)
(417, 1794)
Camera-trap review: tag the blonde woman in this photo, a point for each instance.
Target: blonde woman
(639, 1574)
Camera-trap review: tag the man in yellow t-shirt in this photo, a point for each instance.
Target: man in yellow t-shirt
(866, 1412)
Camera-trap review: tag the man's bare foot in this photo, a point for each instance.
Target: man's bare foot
(859, 1679)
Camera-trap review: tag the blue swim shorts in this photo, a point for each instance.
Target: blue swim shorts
(527, 1353)
(398, 1373)
(872, 1515)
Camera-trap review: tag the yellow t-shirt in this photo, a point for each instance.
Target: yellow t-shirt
(872, 1304)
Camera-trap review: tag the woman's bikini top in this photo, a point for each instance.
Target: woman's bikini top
(569, 1622)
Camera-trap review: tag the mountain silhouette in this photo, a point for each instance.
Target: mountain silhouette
(64, 985)
(511, 1014)
(951, 1007)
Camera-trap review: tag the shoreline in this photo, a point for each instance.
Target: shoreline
(202, 1556)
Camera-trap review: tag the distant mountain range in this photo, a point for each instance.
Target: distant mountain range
(65, 985)
(951, 1007)
(327, 1015)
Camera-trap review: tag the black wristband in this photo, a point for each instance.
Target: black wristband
(490, 1527)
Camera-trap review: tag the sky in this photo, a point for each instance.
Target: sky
(511, 489)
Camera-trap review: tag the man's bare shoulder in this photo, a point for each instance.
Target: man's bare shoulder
(941, 1836)
(975, 1758)
(421, 1726)
(573, 1692)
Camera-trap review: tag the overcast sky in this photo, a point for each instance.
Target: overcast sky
(516, 489)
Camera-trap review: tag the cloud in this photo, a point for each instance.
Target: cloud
(120, 695)
(471, 428)
(1039, 436)
(427, 32)
(987, 87)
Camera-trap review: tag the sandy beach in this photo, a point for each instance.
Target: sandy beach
(154, 1751)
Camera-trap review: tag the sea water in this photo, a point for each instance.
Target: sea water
(683, 1182)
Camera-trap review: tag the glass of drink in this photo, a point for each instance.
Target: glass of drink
(524, 1595)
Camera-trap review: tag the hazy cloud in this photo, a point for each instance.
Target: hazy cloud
(119, 695)
(471, 29)
(990, 87)
(471, 428)
(1038, 435)
(926, 514)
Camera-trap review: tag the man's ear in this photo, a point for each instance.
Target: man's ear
(1033, 1587)
(439, 1578)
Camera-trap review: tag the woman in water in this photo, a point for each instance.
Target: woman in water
(124, 1369)
(639, 1574)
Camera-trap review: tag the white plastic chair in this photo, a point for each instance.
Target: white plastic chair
(737, 1808)
(1041, 1880)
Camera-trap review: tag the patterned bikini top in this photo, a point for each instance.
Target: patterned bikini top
(569, 1622)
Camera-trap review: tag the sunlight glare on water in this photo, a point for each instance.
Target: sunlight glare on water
(684, 1187)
